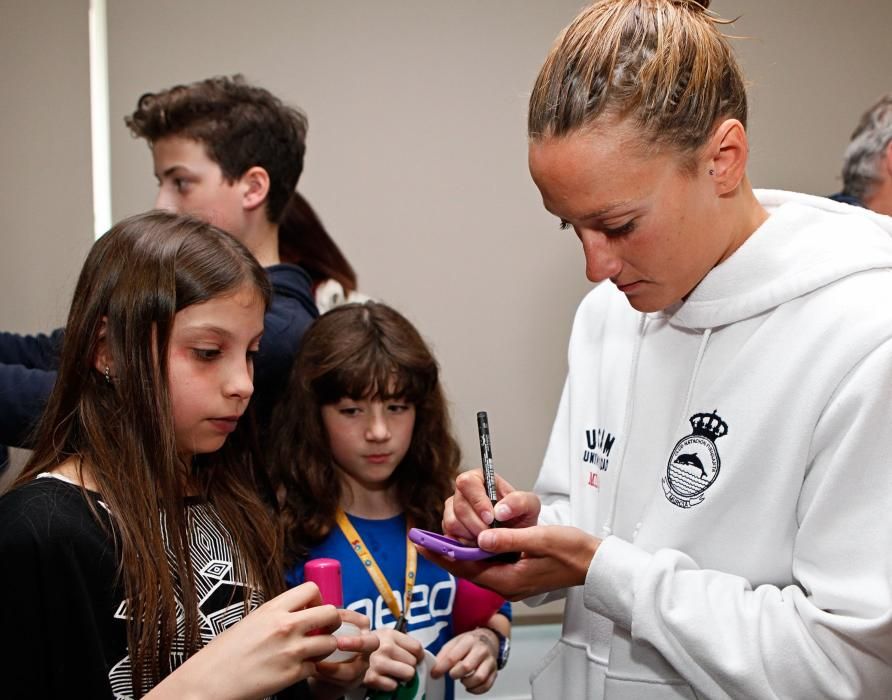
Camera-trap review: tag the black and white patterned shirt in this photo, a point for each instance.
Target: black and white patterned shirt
(64, 613)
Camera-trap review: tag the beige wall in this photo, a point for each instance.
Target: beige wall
(416, 157)
(813, 68)
(46, 217)
(416, 164)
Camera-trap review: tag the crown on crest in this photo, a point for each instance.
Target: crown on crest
(709, 425)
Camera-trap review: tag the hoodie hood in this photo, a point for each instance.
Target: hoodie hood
(806, 243)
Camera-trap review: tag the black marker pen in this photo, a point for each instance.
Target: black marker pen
(489, 473)
(489, 477)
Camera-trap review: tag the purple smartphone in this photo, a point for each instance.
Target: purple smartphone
(449, 547)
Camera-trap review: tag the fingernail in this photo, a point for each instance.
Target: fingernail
(486, 517)
(485, 540)
(503, 512)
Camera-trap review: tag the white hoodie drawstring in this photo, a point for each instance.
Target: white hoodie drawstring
(700, 353)
(627, 423)
(607, 529)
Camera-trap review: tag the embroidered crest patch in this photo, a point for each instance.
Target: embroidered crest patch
(694, 463)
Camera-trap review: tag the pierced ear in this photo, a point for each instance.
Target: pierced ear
(101, 358)
(729, 151)
(255, 184)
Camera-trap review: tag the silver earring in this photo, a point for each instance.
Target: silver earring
(107, 375)
(711, 171)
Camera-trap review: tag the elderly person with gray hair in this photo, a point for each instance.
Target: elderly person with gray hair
(867, 169)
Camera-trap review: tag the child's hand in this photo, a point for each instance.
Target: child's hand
(332, 679)
(270, 649)
(470, 657)
(395, 660)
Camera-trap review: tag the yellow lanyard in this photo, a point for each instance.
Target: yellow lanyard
(368, 561)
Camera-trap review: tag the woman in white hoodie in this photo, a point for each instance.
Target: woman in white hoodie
(716, 499)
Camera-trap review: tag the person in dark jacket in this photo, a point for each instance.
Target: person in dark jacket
(230, 153)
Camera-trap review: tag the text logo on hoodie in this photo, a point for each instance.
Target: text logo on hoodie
(598, 443)
(695, 462)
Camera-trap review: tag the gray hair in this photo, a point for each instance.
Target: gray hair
(869, 141)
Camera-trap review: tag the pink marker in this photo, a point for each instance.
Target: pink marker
(326, 574)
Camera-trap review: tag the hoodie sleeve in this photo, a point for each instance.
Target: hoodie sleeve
(28, 366)
(23, 395)
(827, 636)
(290, 313)
(40, 351)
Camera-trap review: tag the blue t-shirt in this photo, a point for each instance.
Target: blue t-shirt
(430, 611)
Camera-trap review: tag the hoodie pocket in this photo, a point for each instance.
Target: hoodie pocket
(621, 689)
(567, 672)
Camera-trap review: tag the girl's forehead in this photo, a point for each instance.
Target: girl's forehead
(245, 295)
(366, 384)
(237, 312)
(376, 391)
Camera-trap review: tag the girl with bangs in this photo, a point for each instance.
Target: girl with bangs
(370, 453)
(138, 552)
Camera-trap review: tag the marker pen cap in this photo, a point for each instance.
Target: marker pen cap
(326, 573)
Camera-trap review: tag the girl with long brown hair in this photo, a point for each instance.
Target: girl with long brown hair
(135, 534)
(364, 450)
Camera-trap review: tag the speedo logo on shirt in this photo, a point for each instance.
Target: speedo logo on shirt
(429, 605)
(598, 443)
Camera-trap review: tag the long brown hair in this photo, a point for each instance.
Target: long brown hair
(359, 351)
(303, 240)
(661, 63)
(134, 281)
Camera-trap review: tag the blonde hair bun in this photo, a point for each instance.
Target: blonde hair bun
(662, 64)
